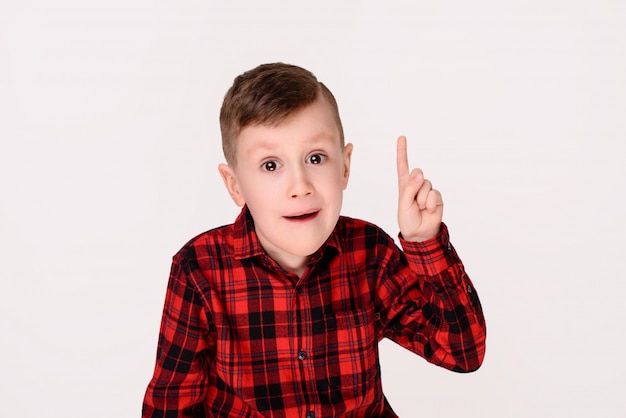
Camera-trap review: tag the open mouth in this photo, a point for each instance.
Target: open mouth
(303, 217)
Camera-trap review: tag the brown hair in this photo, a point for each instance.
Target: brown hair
(268, 94)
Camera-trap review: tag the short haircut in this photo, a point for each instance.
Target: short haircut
(266, 95)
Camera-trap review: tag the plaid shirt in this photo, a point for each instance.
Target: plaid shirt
(241, 337)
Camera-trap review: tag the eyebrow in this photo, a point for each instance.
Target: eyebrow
(266, 146)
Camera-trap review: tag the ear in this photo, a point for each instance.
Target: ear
(230, 181)
(347, 154)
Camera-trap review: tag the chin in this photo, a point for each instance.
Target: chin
(305, 249)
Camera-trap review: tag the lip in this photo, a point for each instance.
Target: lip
(303, 216)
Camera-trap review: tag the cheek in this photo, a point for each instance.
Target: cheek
(333, 188)
(261, 193)
(336, 180)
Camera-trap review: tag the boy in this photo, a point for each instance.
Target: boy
(280, 313)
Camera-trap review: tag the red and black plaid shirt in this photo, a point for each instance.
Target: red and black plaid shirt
(241, 337)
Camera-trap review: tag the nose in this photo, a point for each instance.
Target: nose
(300, 184)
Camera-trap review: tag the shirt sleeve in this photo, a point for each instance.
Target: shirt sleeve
(429, 305)
(179, 383)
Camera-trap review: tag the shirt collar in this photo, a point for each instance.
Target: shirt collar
(246, 243)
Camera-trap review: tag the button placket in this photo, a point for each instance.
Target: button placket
(303, 364)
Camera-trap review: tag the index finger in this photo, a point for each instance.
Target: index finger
(402, 160)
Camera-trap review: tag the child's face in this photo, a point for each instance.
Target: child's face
(292, 178)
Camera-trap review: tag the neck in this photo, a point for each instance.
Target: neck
(297, 265)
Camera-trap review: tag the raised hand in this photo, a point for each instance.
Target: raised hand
(420, 207)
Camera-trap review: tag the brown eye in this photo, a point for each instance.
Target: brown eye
(316, 159)
(270, 165)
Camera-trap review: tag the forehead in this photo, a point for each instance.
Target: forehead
(313, 125)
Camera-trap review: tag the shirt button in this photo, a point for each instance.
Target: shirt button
(301, 356)
(310, 414)
(449, 247)
(469, 289)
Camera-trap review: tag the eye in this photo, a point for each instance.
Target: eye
(270, 165)
(316, 158)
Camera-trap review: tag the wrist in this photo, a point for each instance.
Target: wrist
(416, 238)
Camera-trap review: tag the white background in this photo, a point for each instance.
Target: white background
(110, 141)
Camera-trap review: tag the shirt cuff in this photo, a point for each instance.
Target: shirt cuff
(433, 255)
